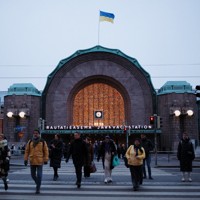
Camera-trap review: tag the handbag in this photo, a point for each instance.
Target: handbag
(115, 161)
(93, 168)
(126, 162)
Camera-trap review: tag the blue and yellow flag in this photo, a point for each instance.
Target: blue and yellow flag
(105, 16)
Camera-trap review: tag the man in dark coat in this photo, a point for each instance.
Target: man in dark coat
(185, 155)
(55, 154)
(90, 157)
(79, 152)
(148, 146)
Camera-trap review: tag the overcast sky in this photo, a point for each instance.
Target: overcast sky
(163, 35)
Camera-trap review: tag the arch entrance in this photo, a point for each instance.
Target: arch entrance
(98, 104)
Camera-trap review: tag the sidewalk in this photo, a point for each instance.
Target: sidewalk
(163, 161)
(170, 160)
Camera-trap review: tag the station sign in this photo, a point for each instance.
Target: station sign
(121, 127)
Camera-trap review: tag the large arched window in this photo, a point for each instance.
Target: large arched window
(98, 97)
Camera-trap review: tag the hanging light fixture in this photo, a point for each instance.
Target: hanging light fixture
(22, 114)
(190, 112)
(10, 114)
(177, 113)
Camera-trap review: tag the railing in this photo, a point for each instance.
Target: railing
(16, 152)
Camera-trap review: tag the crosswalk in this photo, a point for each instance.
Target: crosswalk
(23, 187)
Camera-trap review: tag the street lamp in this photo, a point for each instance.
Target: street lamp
(177, 113)
(10, 114)
(22, 114)
(190, 112)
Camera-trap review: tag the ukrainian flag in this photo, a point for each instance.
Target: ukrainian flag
(105, 16)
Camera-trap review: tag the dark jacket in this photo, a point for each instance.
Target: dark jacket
(185, 154)
(56, 153)
(90, 153)
(79, 152)
(4, 158)
(102, 152)
(147, 145)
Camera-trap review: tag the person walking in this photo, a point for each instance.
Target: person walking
(106, 152)
(90, 157)
(37, 152)
(185, 154)
(79, 152)
(135, 155)
(55, 154)
(148, 146)
(4, 160)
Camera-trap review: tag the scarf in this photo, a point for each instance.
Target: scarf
(35, 141)
(3, 143)
(138, 148)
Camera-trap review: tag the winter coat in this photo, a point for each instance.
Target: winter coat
(102, 152)
(4, 158)
(133, 158)
(185, 155)
(55, 154)
(90, 153)
(79, 152)
(38, 154)
(147, 145)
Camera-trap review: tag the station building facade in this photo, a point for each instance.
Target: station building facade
(101, 91)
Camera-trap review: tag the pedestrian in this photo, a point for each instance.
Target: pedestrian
(13, 149)
(90, 157)
(37, 152)
(55, 154)
(4, 160)
(135, 155)
(119, 153)
(78, 151)
(123, 150)
(66, 147)
(185, 155)
(148, 147)
(106, 152)
(95, 146)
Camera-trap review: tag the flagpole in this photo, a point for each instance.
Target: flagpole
(98, 29)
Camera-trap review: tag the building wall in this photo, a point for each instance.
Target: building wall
(97, 67)
(173, 126)
(29, 123)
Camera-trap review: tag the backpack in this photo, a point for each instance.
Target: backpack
(40, 141)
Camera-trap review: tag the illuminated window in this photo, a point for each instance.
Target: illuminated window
(98, 97)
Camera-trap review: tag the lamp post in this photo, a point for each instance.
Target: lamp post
(180, 114)
(17, 119)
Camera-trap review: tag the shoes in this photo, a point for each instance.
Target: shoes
(183, 179)
(5, 186)
(78, 185)
(150, 178)
(189, 179)
(136, 188)
(37, 191)
(144, 177)
(5, 183)
(109, 180)
(55, 178)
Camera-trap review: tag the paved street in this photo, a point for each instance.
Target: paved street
(166, 183)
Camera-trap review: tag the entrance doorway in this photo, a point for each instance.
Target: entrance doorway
(98, 97)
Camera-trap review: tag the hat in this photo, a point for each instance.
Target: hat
(138, 139)
(107, 137)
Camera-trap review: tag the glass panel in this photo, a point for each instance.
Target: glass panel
(94, 97)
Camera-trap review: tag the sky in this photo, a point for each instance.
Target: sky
(163, 35)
